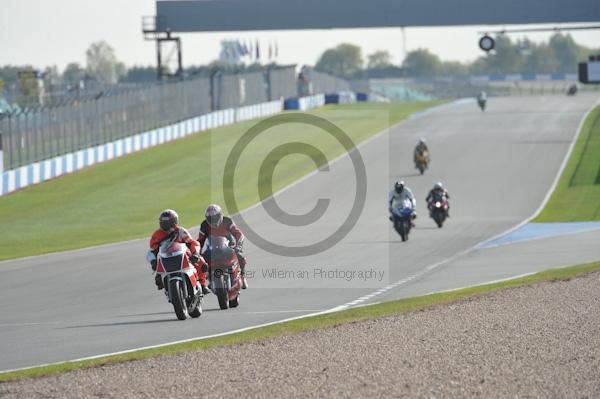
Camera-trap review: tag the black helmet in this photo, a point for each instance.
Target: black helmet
(168, 219)
(399, 186)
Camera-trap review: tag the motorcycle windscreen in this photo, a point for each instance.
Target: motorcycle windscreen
(220, 251)
(221, 255)
(171, 248)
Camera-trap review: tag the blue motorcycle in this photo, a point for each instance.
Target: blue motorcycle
(402, 218)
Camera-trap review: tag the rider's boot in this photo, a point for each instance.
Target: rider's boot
(242, 260)
(244, 282)
(202, 270)
(158, 281)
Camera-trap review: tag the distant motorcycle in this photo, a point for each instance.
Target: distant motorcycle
(224, 272)
(402, 218)
(572, 90)
(180, 279)
(422, 161)
(438, 209)
(482, 103)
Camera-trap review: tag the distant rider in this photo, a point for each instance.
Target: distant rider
(482, 96)
(420, 149)
(170, 230)
(438, 192)
(222, 226)
(398, 195)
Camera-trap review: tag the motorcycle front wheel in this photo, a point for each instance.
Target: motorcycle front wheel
(221, 292)
(177, 299)
(439, 218)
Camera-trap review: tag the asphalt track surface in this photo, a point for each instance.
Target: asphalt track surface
(498, 166)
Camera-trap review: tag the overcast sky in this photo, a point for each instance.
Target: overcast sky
(56, 32)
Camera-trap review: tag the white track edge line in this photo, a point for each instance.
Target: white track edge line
(545, 237)
(554, 183)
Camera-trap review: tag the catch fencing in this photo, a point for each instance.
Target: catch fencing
(32, 134)
(324, 83)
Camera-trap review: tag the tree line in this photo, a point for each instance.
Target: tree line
(103, 67)
(560, 54)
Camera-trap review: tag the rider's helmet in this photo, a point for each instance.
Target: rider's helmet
(421, 141)
(438, 186)
(168, 220)
(214, 215)
(399, 186)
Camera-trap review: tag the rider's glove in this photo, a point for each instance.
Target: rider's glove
(153, 264)
(194, 258)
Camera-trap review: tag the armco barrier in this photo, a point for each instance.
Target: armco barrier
(312, 102)
(343, 97)
(362, 97)
(48, 169)
(304, 103)
(292, 103)
(44, 170)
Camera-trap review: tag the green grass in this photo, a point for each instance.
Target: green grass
(121, 199)
(577, 195)
(322, 321)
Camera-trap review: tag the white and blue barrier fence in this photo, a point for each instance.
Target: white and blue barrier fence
(48, 169)
(318, 100)
(343, 97)
(515, 77)
(304, 103)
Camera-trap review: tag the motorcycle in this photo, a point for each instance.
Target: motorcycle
(224, 272)
(402, 218)
(180, 279)
(422, 161)
(482, 103)
(438, 209)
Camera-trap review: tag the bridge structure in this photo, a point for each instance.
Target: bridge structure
(184, 16)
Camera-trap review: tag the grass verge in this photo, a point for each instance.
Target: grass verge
(577, 195)
(296, 326)
(121, 199)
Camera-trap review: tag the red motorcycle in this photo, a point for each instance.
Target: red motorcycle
(224, 272)
(438, 209)
(180, 279)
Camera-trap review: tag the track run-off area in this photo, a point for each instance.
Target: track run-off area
(498, 166)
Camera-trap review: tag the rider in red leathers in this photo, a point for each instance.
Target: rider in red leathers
(222, 226)
(170, 230)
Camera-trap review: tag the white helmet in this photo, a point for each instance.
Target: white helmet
(421, 140)
(438, 186)
(214, 215)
